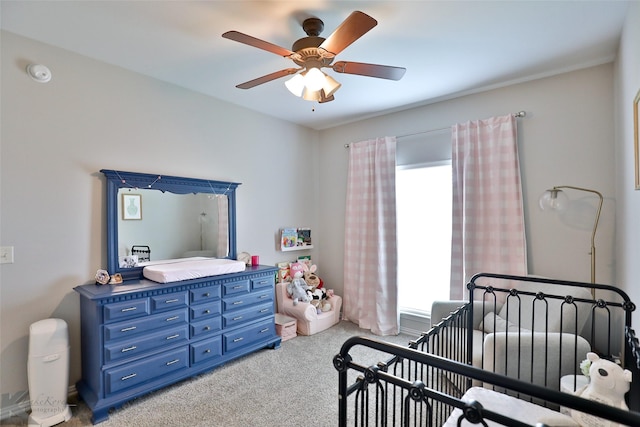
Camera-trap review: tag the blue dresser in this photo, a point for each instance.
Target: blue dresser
(141, 335)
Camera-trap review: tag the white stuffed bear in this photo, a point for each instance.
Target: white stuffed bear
(608, 383)
(298, 289)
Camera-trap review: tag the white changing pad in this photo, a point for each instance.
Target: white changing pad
(512, 407)
(191, 268)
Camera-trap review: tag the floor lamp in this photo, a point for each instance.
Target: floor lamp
(555, 199)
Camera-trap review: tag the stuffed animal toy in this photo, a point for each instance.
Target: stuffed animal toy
(318, 294)
(319, 300)
(608, 383)
(298, 289)
(311, 277)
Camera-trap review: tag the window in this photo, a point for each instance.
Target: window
(423, 197)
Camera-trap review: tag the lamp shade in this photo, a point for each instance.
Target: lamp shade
(313, 85)
(314, 79)
(311, 95)
(553, 199)
(330, 86)
(295, 84)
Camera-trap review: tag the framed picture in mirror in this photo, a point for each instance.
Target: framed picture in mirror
(131, 206)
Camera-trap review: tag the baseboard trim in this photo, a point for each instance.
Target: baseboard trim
(21, 406)
(414, 324)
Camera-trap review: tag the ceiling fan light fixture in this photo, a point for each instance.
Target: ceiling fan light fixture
(314, 79)
(330, 86)
(295, 84)
(311, 95)
(312, 53)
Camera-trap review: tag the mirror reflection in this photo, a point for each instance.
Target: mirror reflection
(168, 226)
(163, 217)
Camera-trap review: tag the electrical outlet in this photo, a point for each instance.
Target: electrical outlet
(6, 255)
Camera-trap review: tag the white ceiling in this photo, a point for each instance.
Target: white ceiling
(449, 48)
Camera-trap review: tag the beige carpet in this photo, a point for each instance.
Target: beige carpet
(295, 385)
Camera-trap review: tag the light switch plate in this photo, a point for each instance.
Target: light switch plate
(6, 255)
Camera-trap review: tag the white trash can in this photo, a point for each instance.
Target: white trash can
(48, 372)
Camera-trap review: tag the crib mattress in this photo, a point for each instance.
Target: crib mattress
(511, 407)
(191, 268)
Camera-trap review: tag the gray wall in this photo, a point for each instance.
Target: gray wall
(566, 139)
(627, 74)
(57, 136)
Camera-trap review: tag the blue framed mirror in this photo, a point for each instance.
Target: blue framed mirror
(154, 218)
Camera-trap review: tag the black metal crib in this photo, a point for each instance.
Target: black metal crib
(521, 351)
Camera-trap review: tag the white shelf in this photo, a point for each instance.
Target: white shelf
(296, 248)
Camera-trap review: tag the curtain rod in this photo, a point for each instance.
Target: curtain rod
(516, 115)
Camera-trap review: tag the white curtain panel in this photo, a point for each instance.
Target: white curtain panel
(223, 227)
(370, 265)
(488, 232)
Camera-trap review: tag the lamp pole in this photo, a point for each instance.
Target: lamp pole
(595, 224)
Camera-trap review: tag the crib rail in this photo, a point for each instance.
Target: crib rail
(420, 385)
(531, 328)
(608, 308)
(381, 396)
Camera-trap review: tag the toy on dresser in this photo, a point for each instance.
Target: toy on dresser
(608, 383)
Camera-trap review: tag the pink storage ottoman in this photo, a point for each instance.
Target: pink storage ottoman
(286, 327)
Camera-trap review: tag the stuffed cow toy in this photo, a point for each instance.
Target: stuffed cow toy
(608, 383)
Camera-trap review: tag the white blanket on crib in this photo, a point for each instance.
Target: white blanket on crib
(511, 407)
(191, 268)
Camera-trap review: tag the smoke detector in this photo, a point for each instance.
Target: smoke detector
(39, 73)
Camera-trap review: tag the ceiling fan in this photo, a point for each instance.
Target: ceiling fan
(312, 53)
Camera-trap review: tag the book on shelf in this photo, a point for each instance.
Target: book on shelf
(288, 238)
(284, 273)
(305, 259)
(304, 237)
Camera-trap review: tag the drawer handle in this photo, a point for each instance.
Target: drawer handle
(264, 296)
(169, 319)
(133, 347)
(264, 310)
(238, 339)
(207, 328)
(130, 328)
(173, 361)
(173, 336)
(169, 301)
(237, 302)
(124, 310)
(206, 294)
(237, 318)
(238, 287)
(128, 377)
(207, 311)
(207, 351)
(264, 330)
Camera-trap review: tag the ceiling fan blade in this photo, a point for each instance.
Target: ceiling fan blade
(355, 26)
(260, 44)
(369, 70)
(267, 78)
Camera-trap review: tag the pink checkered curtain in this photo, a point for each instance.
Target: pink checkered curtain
(223, 227)
(370, 249)
(488, 223)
